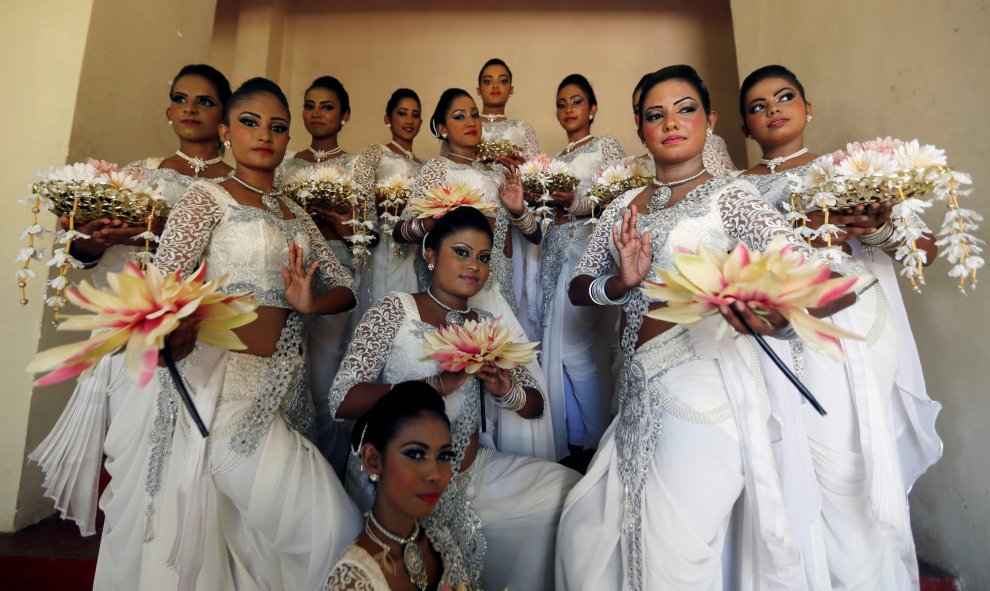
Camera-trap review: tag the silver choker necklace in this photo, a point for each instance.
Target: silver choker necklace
(407, 153)
(269, 200)
(197, 164)
(571, 146)
(321, 155)
(453, 317)
(411, 554)
(493, 117)
(773, 163)
(661, 196)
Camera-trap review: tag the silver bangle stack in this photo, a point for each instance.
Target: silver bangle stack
(514, 400)
(580, 206)
(412, 230)
(882, 238)
(596, 291)
(526, 223)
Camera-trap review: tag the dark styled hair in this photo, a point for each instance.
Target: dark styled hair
(404, 402)
(251, 88)
(494, 62)
(760, 74)
(582, 83)
(213, 75)
(332, 84)
(455, 220)
(680, 72)
(398, 95)
(443, 105)
(642, 81)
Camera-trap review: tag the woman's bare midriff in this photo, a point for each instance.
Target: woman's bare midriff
(261, 336)
(651, 328)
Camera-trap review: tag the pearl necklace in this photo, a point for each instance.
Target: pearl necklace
(573, 145)
(464, 159)
(321, 155)
(773, 163)
(661, 196)
(453, 317)
(411, 554)
(269, 200)
(493, 117)
(197, 164)
(407, 153)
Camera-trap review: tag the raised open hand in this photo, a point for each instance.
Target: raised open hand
(635, 252)
(299, 280)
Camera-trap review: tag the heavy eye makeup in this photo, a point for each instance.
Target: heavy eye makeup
(278, 126)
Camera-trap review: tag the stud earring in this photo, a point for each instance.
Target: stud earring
(343, 123)
(170, 122)
(226, 143)
(808, 118)
(431, 266)
(591, 117)
(708, 132)
(388, 125)
(373, 477)
(443, 136)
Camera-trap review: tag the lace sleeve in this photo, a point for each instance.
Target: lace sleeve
(347, 576)
(524, 378)
(433, 173)
(188, 230)
(597, 258)
(716, 157)
(369, 348)
(747, 218)
(139, 166)
(365, 168)
(532, 146)
(331, 273)
(611, 150)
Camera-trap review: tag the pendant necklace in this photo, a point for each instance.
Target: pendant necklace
(464, 159)
(197, 164)
(661, 196)
(493, 117)
(411, 554)
(269, 200)
(453, 317)
(407, 153)
(773, 163)
(571, 146)
(321, 155)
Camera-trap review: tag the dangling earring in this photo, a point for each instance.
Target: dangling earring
(808, 118)
(430, 266)
(373, 477)
(226, 144)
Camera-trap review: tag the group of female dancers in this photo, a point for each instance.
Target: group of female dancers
(712, 473)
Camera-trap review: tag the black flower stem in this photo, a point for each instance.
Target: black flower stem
(783, 367)
(180, 385)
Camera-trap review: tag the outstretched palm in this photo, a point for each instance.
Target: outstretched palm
(635, 252)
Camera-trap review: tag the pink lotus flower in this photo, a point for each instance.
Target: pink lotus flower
(137, 311)
(476, 343)
(103, 166)
(780, 278)
(443, 198)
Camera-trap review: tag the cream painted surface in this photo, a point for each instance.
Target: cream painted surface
(47, 79)
(911, 68)
(373, 51)
(93, 84)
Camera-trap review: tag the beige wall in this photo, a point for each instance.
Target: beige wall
(909, 68)
(377, 49)
(89, 82)
(38, 114)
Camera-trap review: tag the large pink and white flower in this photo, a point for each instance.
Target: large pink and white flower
(443, 198)
(468, 347)
(136, 312)
(779, 278)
